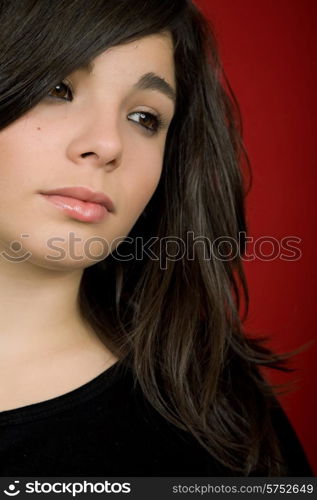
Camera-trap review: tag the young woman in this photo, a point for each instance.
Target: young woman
(122, 349)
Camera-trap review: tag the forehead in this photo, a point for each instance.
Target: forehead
(150, 54)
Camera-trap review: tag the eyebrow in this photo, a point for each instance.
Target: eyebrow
(149, 81)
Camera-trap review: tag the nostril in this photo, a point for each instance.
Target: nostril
(86, 154)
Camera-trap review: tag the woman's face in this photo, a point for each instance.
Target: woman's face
(104, 129)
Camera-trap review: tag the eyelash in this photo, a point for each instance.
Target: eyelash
(157, 122)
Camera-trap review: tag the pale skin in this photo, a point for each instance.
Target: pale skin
(46, 348)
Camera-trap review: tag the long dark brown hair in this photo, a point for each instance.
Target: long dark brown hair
(177, 326)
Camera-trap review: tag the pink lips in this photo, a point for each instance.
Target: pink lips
(81, 203)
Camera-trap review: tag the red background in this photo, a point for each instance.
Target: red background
(269, 52)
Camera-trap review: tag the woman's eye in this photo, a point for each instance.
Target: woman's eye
(149, 121)
(61, 91)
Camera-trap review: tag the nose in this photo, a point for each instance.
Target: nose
(96, 142)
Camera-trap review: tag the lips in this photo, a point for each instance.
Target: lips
(80, 203)
(83, 194)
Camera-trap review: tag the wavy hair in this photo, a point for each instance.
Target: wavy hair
(178, 326)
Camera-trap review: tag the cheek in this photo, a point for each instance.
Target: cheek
(31, 136)
(13, 151)
(20, 146)
(141, 178)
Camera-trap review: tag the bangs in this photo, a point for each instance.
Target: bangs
(43, 42)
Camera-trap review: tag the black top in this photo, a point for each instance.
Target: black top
(106, 428)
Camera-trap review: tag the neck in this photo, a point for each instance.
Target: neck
(39, 310)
